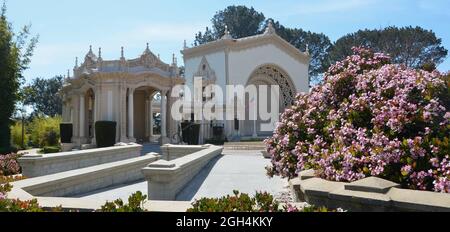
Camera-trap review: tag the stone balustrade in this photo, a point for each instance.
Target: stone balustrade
(45, 164)
(167, 178)
(366, 195)
(84, 180)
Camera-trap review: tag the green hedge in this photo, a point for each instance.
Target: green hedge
(66, 130)
(51, 149)
(105, 133)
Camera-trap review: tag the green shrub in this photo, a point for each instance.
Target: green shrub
(135, 204)
(66, 130)
(239, 202)
(16, 136)
(105, 133)
(51, 149)
(44, 131)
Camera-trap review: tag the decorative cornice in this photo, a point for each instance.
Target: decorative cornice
(247, 43)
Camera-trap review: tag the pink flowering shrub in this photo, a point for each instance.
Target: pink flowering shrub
(369, 118)
(9, 165)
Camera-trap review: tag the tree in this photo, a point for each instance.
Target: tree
(411, 46)
(319, 46)
(15, 54)
(240, 20)
(43, 96)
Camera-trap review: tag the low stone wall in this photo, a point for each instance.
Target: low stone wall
(45, 164)
(171, 152)
(367, 195)
(84, 180)
(167, 178)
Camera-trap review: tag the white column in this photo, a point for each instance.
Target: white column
(123, 114)
(130, 115)
(94, 109)
(163, 113)
(82, 116)
(147, 116)
(150, 110)
(254, 123)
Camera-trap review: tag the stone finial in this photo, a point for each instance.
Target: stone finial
(76, 62)
(227, 34)
(148, 47)
(174, 60)
(99, 52)
(68, 73)
(270, 29)
(90, 48)
(121, 53)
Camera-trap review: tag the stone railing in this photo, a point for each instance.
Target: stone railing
(167, 178)
(171, 152)
(45, 164)
(369, 194)
(84, 180)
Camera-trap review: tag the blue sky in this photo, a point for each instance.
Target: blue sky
(68, 27)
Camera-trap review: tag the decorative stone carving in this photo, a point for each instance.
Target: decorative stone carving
(280, 78)
(206, 72)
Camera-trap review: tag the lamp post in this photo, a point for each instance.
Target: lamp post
(23, 127)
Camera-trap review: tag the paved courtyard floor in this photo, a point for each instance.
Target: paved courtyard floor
(235, 170)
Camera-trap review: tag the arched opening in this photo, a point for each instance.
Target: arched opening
(89, 115)
(264, 77)
(146, 111)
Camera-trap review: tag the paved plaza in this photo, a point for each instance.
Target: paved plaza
(235, 170)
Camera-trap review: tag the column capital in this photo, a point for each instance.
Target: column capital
(164, 91)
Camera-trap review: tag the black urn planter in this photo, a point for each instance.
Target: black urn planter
(105, 133)
(218, 132)
(66, 131)
(190, 132)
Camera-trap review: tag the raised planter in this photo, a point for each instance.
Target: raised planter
(84, 180)
(371, 194)
(167, 178)
(44, 164)
(171, 152)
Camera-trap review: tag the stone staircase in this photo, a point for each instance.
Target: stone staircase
(254, 146)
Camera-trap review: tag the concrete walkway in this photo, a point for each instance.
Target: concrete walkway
(235, 170)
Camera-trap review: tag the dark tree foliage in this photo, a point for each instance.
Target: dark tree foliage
(412, 46)
(43, 95)
(15, 53)
(319, 46)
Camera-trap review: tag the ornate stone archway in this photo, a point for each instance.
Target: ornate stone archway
(268, 75)
(273, 74)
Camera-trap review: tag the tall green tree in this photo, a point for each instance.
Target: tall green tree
(411, 46)
(16, 50)
(319, 46)
(43, 96)
(241, 21)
